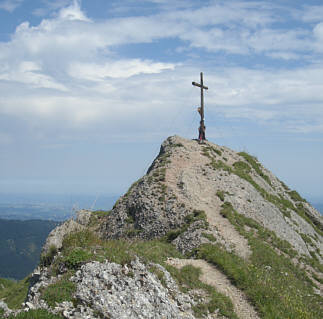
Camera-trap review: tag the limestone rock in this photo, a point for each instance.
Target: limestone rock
(56, 236)
(131, 291)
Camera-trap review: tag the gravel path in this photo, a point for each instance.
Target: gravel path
(200, 193)
(213, 277)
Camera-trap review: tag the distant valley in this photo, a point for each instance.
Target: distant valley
(25, 222)
(20, 245)
(50, 207)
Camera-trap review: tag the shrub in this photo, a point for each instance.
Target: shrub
(76, 258)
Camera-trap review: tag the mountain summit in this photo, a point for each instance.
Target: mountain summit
(191, 178)
(207, 232)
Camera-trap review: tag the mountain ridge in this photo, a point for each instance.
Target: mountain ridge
(207, 232)
(187, 176)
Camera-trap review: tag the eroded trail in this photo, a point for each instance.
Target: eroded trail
(213, 277)
(200, 193)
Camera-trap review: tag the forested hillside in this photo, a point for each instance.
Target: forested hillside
(20, 245)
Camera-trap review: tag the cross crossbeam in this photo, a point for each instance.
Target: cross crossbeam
(201, 109)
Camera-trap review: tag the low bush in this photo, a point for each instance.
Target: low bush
(76, 258)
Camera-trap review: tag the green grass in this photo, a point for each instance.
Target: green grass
(240, 221)
(302, 211)
(6, 283)
(177, 145)
(221, 165)
(196, 216)
(243, 166)
(281, 203)
(15, 293)
(97, 216)
(276, 287)
(209, 149)
(243, 169)
(89, 247)
(85, 245)
(188, 278)
(210, 237)
(36, 314)
(296, 197)
(76, 258)
(220, 194)
(101, 213)
(62, 290)
(255, 165)
(281, 291)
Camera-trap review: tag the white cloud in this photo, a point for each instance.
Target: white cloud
(10, 5)
(73, 12)
(312, 14)
(68, 71)
(116, 69)
(29, 73)
(268, 40)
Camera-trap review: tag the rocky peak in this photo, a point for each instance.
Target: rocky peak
(190, 188)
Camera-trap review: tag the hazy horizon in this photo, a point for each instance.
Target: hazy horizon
(90, 89)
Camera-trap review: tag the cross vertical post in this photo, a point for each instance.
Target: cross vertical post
(201, 109)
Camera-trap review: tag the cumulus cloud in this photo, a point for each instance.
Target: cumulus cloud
(67, 69)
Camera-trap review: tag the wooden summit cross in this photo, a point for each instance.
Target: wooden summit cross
(201, 109)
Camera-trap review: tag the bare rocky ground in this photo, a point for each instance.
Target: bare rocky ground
(181, 199)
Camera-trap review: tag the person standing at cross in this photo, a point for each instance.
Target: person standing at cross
(201, 109)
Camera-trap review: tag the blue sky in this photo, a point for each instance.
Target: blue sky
(89, 89)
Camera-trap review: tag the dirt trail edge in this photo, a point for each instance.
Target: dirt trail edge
(213, 277)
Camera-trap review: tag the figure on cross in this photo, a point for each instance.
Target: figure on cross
(201, 109)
